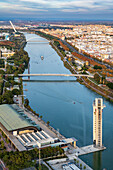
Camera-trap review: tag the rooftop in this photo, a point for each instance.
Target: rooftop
(11, 118)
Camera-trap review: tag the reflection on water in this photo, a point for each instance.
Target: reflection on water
(97, 160)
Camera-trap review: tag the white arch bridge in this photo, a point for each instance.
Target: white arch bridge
(59, 75)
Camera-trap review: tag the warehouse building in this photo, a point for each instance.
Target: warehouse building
(23, 133)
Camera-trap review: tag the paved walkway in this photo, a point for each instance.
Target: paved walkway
(86, 150)
(41, 123)
(79, 162)
(58, 163)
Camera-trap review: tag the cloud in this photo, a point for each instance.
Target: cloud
(16, 7)
(90, 4)
(56, 7)
(74, 10)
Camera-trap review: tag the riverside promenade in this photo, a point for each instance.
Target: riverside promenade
(86, 150)
(48, 129)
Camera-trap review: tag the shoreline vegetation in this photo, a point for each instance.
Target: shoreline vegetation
(16, 64)
(60, 48)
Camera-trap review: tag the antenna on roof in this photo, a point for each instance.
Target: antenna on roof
(13, 26)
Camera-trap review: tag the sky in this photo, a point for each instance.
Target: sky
(57, 9)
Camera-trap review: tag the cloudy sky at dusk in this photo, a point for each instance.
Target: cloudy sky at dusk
(64, 9)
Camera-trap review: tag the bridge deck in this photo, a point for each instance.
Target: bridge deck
(61, 75)
(37, 41)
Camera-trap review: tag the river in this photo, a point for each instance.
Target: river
(67, 105)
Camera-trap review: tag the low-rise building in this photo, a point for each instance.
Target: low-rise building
(24, 133)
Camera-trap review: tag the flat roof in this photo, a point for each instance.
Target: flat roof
(11, 119)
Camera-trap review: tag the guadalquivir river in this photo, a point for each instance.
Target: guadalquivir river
(67, 105)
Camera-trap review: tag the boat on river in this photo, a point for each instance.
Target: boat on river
(42, 57)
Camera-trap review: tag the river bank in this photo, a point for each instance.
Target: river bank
(85, 81)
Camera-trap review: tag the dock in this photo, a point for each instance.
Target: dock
(87, 149)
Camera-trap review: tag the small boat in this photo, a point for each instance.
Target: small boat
(42, 57)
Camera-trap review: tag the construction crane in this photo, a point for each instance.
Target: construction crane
(13, 26)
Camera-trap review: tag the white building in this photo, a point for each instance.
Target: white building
(97, 121)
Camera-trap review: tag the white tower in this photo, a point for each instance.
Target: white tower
(97, 122)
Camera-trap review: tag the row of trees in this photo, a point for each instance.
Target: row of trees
(47, 36)
(83, 58)
(7, 97)
(59, 46)
(19, 160)
(20, 62)
(64, 46)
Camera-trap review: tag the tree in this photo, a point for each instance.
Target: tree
(84, 167)
(97, 67)
(16, 92)
(1, 99)
(6, 158)
(97, 77)
(8, 97)
(48, 123)
(77, 162)
(80, 165)
(40, 117)
(110, 85)
(26, 102)
(37, 114)
(2, 72)
(7, 84)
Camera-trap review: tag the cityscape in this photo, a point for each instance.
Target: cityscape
(56, 85)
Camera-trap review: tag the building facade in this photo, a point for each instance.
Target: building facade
(97, 122)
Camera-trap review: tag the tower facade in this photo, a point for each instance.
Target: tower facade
(97, 121)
